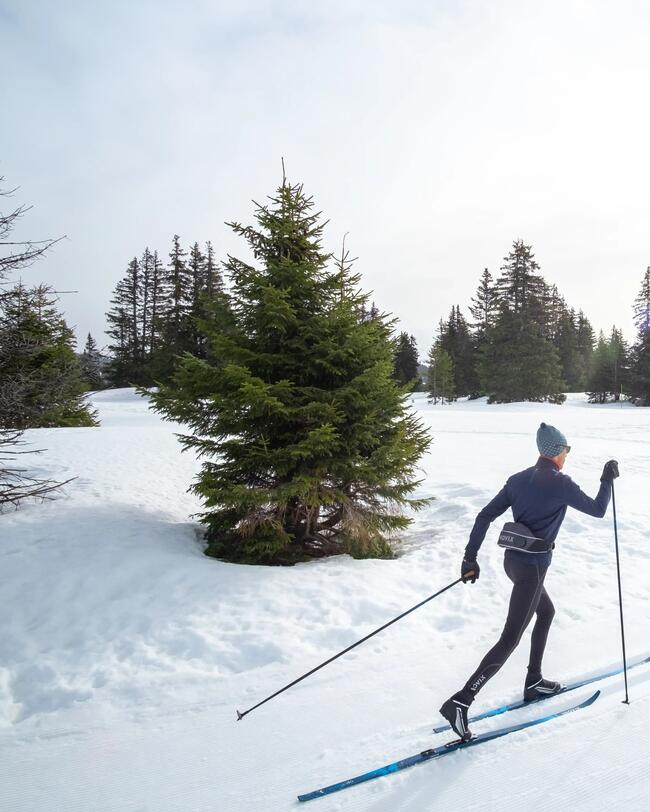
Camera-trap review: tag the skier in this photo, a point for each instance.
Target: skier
(539, 497)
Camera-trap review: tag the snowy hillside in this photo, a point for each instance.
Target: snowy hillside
(124, 652)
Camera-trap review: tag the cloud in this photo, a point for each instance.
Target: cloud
(435, 133)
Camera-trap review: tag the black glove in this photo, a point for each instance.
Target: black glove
(610, 471)
(469, 569)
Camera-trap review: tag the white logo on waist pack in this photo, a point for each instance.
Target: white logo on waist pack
(516, 536)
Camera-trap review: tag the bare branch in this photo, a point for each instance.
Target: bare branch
(15, 483)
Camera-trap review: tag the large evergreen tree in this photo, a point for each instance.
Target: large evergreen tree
(310, 443)
(41, 380)
(406, 361)
(517, 360)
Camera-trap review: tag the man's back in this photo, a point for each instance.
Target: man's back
(539, 497)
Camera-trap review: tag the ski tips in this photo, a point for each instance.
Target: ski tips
(590, 700)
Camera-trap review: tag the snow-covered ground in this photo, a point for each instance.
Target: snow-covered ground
(124, 652)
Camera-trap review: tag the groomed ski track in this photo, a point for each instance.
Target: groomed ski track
(124, 652)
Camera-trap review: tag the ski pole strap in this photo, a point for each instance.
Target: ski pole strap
(241, 714)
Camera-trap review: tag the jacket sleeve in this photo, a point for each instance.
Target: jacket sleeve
(579, 500)
(490, 512)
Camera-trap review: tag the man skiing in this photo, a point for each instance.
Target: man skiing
(539, 497)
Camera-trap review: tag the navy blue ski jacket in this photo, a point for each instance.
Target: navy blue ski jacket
(539, 497)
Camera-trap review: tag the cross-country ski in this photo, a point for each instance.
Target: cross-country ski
(443, 750)
(571, 686)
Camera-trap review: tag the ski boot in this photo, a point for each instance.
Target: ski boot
(455, 712)
(538, 687)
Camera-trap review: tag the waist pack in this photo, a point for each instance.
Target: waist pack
(516, 536)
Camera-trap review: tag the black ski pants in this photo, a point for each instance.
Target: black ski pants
(529, 597)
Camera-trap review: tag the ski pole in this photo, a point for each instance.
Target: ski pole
(626, 701)
(240, 715)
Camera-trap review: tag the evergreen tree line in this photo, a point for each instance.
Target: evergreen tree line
(155, 313)
(523, 342)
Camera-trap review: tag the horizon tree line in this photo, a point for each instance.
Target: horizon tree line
(155, 313)
(523, 342)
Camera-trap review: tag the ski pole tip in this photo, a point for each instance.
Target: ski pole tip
(240, 716)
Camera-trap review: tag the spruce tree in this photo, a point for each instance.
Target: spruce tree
(177, 334)
(620, 363)
(585, 340)
(127, 320)
(455, 338)
(311, 448)
(208, 299)
(440, 375)
(41, 380)
(610, 368)
(179, 293)
(517, 360)
(640, 372)
(155, 307)
(554, 312)
(407, 364)
(147, 270)
(196, 266)
(520, 287)
(179, 290)
(601, 379)
(565, 339)
(91, 364)
(213, 278)
(484, 307)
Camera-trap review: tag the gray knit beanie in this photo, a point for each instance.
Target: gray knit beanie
(550, 441)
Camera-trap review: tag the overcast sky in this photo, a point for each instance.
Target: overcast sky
(435, 133)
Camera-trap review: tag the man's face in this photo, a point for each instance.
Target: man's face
(561, 458)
